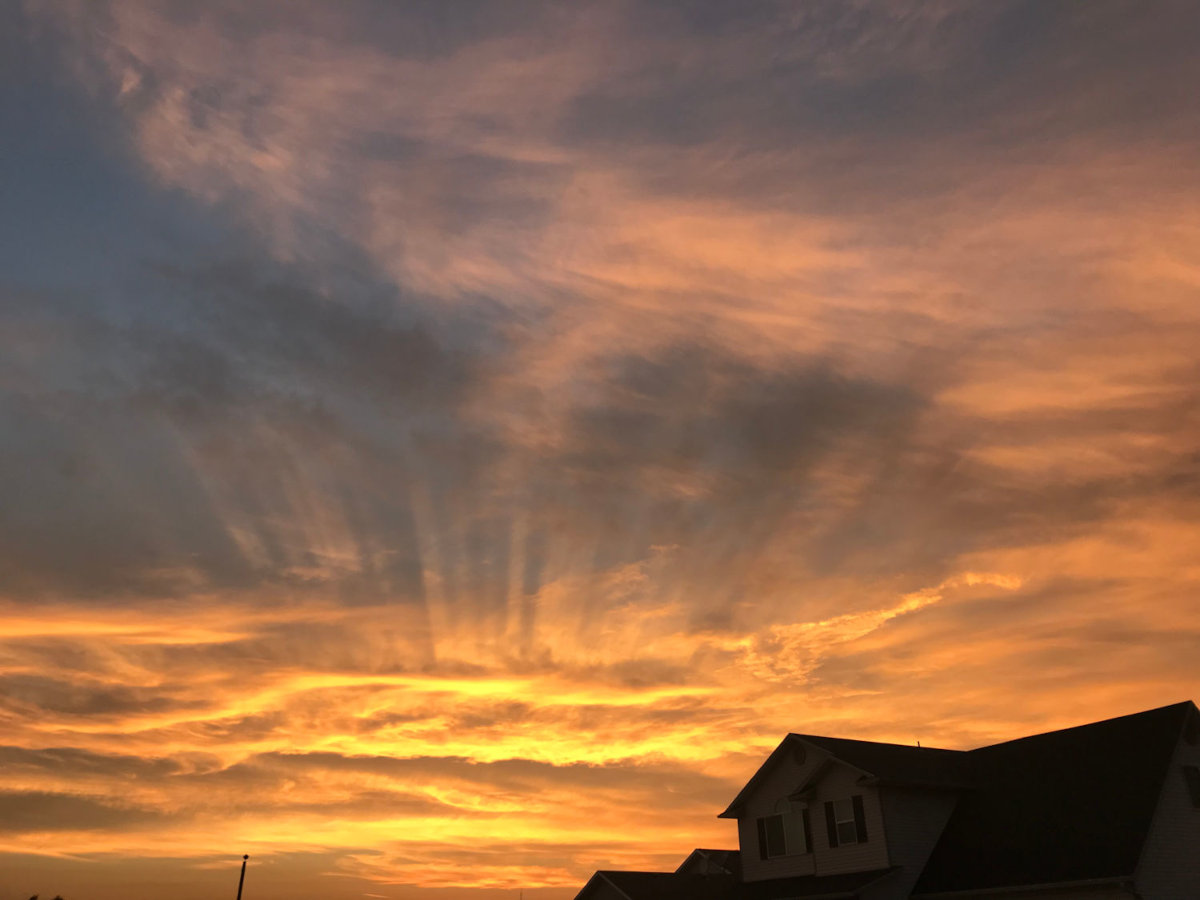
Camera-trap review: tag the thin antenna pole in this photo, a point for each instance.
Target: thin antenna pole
(242, 880)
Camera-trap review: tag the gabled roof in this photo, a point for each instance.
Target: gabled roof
(883, 763)
(785, 747)
(1069, 805)
(900, 764)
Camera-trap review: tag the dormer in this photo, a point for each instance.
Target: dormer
(823, 806)
(806, 812)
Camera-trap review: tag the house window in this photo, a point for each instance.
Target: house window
(843, 817)
(771, 839)
(846, 821)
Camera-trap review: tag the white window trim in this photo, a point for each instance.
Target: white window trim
(838, 821)
(764, 847)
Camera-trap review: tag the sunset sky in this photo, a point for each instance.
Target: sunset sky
(445, 445)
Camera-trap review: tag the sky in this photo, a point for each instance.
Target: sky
(445, 445)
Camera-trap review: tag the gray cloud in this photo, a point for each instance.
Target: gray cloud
(894, 71)
(105, 463)
(77, 763)
(41, 811)
(35, 694)
(696, 408)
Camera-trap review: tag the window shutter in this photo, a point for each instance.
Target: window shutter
(860, 819)
(807, 830)
(831, 824)
(762, 838)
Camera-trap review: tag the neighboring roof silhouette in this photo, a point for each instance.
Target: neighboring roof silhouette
(670, 885)
(1068, 805)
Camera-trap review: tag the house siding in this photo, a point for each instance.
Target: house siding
(913, 819)
(838, 782)
(787, 775)
(1169, 868)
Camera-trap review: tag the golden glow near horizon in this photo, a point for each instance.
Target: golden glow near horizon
(448, 448)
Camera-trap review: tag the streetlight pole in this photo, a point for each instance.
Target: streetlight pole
(242, 880)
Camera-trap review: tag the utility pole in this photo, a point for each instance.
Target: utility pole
(242, 880)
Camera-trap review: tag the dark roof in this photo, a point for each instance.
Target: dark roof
(889, 763)
(813, 887)
(1068, 805)
(672, 886)
(898, 763)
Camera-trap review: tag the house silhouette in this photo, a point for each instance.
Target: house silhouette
(1101, 811)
